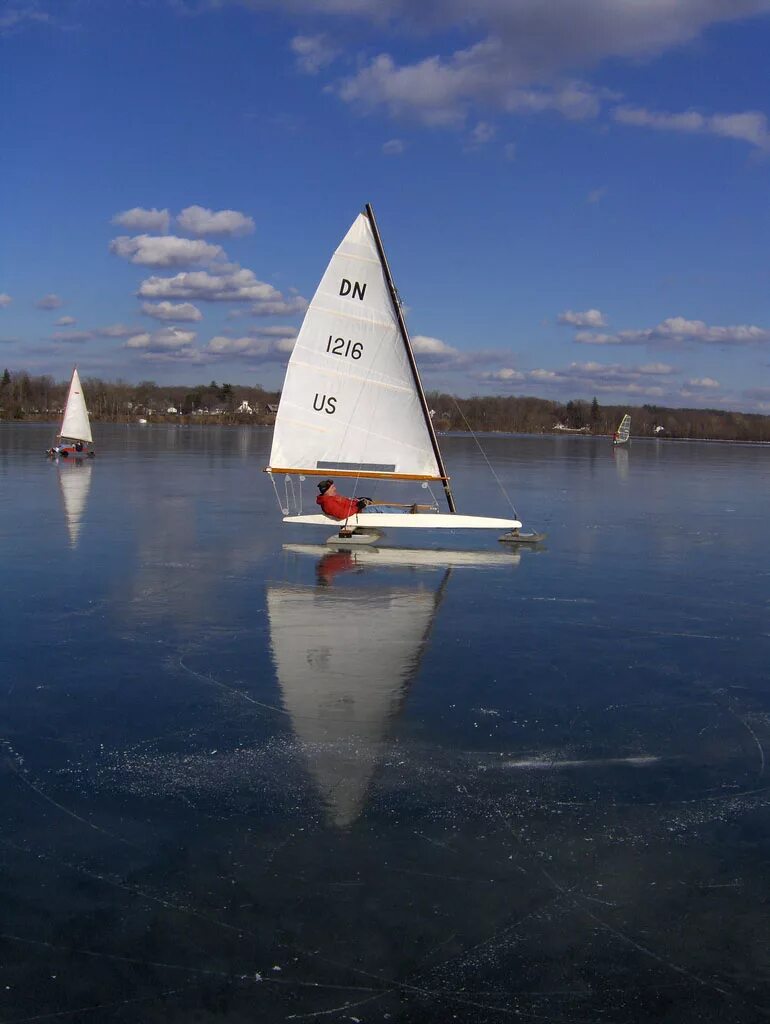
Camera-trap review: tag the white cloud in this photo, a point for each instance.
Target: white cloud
(5, 300)
(237, 285)
(441, 91)
(72, 337)
(197, 220)
(589, 318)
(482, 133)
(749, 126)
(506, 373)
(596, 195)
(650, 380)
(393, 147)
(706, 383)
(279, 307)
(139, 219)
(313, 52)
(49, 301)
(66, 321)
(181, 311)
(115, 331)
(266, 346)
(164, 340)
(164, 250)
(20, 15)
(677, 330)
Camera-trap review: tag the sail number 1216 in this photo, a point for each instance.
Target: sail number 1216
(341, 347)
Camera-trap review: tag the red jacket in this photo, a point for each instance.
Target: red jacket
(337, 506)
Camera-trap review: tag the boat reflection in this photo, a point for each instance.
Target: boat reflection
(346, 652)
(621, 462)
(75, 483)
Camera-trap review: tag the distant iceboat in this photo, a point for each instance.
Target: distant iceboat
(352, 403)
(623, 434)
(74, 436)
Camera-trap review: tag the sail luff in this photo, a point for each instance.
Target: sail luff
(410, 355)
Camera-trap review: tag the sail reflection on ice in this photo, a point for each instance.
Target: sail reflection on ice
(344, 660)
(75, 483)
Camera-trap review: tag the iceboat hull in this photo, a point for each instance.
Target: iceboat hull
(409, 521)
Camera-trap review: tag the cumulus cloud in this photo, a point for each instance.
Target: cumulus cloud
(164, 250)
(482, 133)
(183, 312)
(5, 300)
(749, 126)
(440, 91)
(272, 345)
(313, 53)
(706, 383)
(235, 285)
(164, 340)
(197, 220)
(589, 318)
(652, 380)
(393, 147)
(72, 337)
(596, 195)
(677, 330)
(279, 307)
(50, 301)
(506, 374)
(139, 219)
(115, 331)
(66, 321)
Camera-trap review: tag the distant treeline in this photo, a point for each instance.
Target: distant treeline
(23, 396)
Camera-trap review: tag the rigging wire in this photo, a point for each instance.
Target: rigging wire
(489, 464)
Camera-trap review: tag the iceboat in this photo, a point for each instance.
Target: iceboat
(353, 405)
(74, 438)
(623, 434)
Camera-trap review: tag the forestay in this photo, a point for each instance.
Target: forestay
(350, 403)
(75, 424)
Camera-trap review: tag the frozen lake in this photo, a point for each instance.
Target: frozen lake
(245, 777)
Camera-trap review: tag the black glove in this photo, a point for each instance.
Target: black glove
(363, 502)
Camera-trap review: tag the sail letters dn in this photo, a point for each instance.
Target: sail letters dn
(353, 289)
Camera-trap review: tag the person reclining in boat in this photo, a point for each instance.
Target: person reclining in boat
(337, 506)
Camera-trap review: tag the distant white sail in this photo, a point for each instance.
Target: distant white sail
(623, 432)
(75, 424)
(75, 481)
(350, 402)
(343, 663)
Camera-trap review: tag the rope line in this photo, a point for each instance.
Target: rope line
(489, 464)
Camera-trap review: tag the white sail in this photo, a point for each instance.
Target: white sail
(75, 482)
(75, 424)
(350, 402)
(623, 432)
(343, 662)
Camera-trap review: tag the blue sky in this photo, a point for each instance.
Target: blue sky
(573, 196)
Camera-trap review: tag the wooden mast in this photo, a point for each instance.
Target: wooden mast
(410, 354)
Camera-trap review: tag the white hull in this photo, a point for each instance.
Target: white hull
(409, 521)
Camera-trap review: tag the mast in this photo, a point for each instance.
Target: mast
(410, 355)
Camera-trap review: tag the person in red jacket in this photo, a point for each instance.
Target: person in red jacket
(337, 506)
